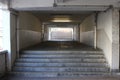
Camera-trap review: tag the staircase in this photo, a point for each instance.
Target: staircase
(60, 63)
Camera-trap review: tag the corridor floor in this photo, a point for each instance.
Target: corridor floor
(61, 45)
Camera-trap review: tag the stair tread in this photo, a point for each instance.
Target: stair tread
(62, 53)
(53, 65)
(59, 64)
(65, 53)
(58, 58)
(97, 71)
(44, 55)
(62, 58)
(58, 74)
(59, 67)
(74, 61)
(32, 72)
(62, 63)
(63, 50)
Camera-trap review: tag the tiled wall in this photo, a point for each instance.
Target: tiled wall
(29, 30)
(28, 37)
(87, 30)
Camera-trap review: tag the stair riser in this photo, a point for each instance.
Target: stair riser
(63, 56)
(50, 74)
(62, 52)
(34, 69)
(61, 64)
(61, 60)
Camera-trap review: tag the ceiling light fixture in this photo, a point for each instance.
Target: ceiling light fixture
(58, 20)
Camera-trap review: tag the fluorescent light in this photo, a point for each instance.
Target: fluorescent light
(57, 20)
(61, 18)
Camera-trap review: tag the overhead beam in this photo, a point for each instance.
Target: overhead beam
(66, 8)
(59, 1)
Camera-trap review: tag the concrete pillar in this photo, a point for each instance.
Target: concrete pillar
(115, 40)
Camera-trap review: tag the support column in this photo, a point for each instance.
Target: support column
(115, 40)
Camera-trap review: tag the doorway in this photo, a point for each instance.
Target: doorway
(60, 34)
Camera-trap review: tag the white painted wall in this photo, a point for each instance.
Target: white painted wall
(104, 34)
(1, 32)
(87, 30)
(6, 38)
(29, 30)
(9, 38)
(31, 3)
(7, 32)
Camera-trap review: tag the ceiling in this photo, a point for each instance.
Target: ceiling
(75, 10)
(49, 16)
(63, 5)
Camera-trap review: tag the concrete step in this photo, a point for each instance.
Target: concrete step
(25, 64)
(61, 52)
(61, 69)
(81, 58)
(40, 62)
(63, 56)
(57, 74)
(60, 60)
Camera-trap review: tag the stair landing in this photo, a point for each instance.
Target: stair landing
(61, 45)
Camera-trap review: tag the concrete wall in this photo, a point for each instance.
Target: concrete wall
(31, 3)
(1, 32)
(13, 25)
(107, 36)
(4, 4)
(104, 34)
(115, 40)
(87, 30)
(49, 3)
(29, 30)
